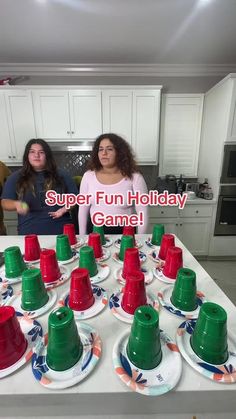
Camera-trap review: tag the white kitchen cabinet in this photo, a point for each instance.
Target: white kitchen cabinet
(181, 117)
(17, 124)
(134, 114)
(74, 114)
(192, 225)
(231, 133)
(10, 222)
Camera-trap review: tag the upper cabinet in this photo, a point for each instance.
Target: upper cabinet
(181, 118)
(68, 114)
(135, 115)
(17, 124)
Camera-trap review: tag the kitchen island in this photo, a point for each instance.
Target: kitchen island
(102, 392)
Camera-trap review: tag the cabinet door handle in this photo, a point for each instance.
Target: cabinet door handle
(176, 225)
(197, 211)
(181, 224)
(14, 157)
(68, 132)
(9, 157)
(162, 212)
(72, 132)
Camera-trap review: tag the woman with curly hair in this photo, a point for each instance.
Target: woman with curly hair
(25, 190)
(113, 170)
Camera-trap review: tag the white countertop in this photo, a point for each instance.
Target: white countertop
(102, 392)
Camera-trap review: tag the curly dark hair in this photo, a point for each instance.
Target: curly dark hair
(125, 160)
(27, 174)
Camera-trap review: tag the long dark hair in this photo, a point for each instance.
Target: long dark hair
(27, 174)
(124, 156)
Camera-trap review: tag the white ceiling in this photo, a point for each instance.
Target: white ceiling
(154, 32)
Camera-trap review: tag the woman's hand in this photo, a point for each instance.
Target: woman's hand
(57, 214)
(22, 208)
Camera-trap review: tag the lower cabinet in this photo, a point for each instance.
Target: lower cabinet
(10, 221)
(192, 225)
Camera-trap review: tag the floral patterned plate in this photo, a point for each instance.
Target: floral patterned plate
(149, 243)
(225, 373)
(155, 258)
(6, 293)
(164, 296)
(105, 256)
(79, 243)
(142, 257)
(153, 382)
(16, 303)
(65, 275)
(108, 243)
(119, 313)
(158, 273)
(5, 280)
(148, 275)
(103, 273)
(75, 255)
(100, 302)
(33, 332)
(138, 243)
(92, 347)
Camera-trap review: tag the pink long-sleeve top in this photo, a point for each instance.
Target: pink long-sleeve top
(90, 185)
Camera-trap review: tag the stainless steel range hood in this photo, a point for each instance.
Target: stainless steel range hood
(67, 146)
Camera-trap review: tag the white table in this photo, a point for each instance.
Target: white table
(102, 392)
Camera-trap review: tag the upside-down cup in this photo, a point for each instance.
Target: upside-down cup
(64, 344)
(49, 267)
(32, 248)
(87, 260)
(81, 294)
(144, 345)
(174, 261)
(63, 249)
(131, 262)
(69, 230)
(14, 264)
(127, 242)
(100, 230)
(167, 241)
(13, 343)
(34, 294)
(134, 293)
(209, 338)
(128, 231)
(184, 294)
(157, 233)
(94, 240)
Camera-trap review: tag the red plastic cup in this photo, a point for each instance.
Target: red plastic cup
(32, 248)
(129, 231)
(167, 241)
(13, 343)
(49, 266)
(94, 240)
(134, 294)
(174, 261)
(131, 262)
(81, 293)
(69, 230)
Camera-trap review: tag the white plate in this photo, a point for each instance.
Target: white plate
(149, 243)
(148, 275)
(100, 302)
(138, 243)
(119, 313)
(142, 257)
(33, 332)
(103, 273)
(164, 296)
(16, 303)
(5, 280)
(75, 255)
(6, 293)
(79, 243)
(65, 275)
(154, 256)
(152, 382)
(51, 379)
(108, 243)
(224, 373)
(158, 273)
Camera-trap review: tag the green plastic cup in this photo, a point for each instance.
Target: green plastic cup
(209, 338)
(14, 264)
(34, 294)
(87, 260)
(127, 242)
(184, 295)
(63, 248)
(100, 230)
(64, 344)
(157, 233)
(144, 345)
